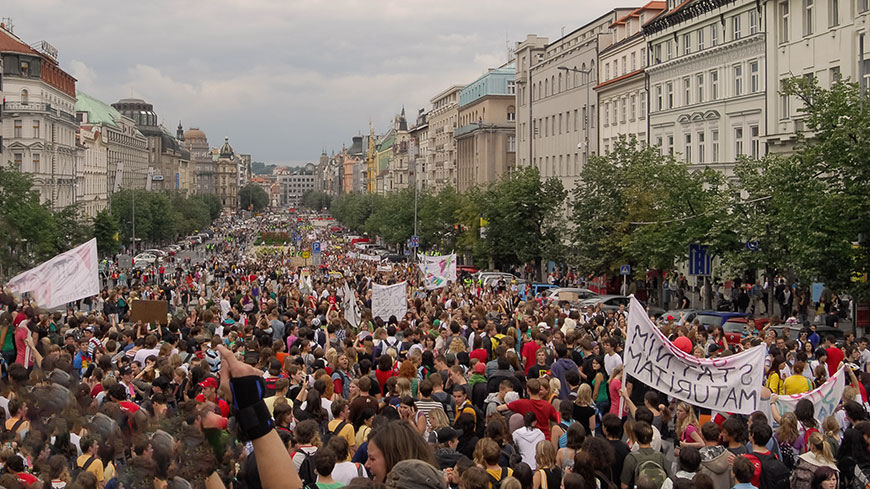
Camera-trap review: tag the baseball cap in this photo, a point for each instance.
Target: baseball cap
(209, 382)
(479, 368)
(670, 318)
(444, 435)
(415, 474)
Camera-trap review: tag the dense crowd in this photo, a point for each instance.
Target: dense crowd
(258, 378)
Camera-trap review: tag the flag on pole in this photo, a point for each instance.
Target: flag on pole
(350, 307)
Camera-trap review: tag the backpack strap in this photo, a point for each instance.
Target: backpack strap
(338, 428)
(543, 478)
(88, 463)
(359, 470)
(17, 425)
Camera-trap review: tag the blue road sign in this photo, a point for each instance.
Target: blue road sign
(415, 241)
(752, 245)
(407, 252)
(625, 270)
(315, 247)
(700, 262)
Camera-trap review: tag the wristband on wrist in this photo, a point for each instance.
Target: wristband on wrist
(254, 421)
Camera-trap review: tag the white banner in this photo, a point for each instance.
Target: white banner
(727, 384)
(389, 300)
(361, 256)
(438, 270)
(825, 399)
(67, 277)
(350, 307)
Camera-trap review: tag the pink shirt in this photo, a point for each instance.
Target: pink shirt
(613, 389)
(23, 357)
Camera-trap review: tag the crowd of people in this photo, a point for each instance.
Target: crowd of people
(261, 378)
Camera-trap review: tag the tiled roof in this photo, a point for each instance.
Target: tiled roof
(619, 78)
(11, 44)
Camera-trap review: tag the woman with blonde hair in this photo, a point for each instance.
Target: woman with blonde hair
(687, 426)
(585, 411)
(547, 473)
(818, 455)
(438, 419)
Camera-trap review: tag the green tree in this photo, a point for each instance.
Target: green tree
(106, 231)
(253, 197)
(27, 227)
(212, 203)
(316, 200)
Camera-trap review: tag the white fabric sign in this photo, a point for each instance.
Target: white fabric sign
(389, 300)
(438, 270)
(69, 276)
(727, 384)
(350, 307)
(825, 398)
(362, 256)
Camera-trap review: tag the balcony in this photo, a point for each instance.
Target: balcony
(14, 107)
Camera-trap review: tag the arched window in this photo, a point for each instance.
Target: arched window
(560, 83)
(511, 113)
(534, 92)
(25, 97)
(552, 84)
(575, 76)
(593, 75)
(546, 87)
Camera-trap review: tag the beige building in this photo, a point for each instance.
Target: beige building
(486, 137)
(204, 168)
(822, 40)
(622, 85)
(420, 164)
(557, 106)
(92, 175)
(443, 120)
(227, 177)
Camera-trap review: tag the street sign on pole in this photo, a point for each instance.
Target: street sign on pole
(700, 262)
(315, 247)
(415, 241)
(625, 270)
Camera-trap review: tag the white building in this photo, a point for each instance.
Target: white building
(295, 183)
(92, 172)
(38, 119)
(706, 79)
(822, 39)
(443, 119)
(556, 106)
(622, 84)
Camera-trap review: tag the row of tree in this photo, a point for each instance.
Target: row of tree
(805, 215)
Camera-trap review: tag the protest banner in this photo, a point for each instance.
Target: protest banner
(69, 276)
(825, 398)
(361, 256)
(350, 307)
(153, 312)
(728, 384)
(438, 270)
(389, 300)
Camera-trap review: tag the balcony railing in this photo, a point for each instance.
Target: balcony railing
(38, 107)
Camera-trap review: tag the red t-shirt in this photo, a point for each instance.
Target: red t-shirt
(479, 354)
(382, 377)
(222, 406)
(530, 349)
(130, 407)
(543, 410)
(835, 357)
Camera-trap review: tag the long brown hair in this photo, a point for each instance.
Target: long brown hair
(399, 441)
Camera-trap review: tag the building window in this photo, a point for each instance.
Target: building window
(633, 61)
(669, 89)
(17, 159)
(25, 68)
(658, 97)
(701, 147)
(35, 162)
(714, 35)
(808, 17)
(833, 13)
(25, 98)
(607, 71)
(606, 114)
(755, 142)
(687, 154)
(512, 144)
(835, 75)
(658, 53)
(735, 27)
(669, 50)
(633, 106)
(714, 85)
(714, 150)
(738, 142)
(622, 110)
(511, 113)
(699, 81)
(614, 107)
(576, 115)
(753, 21)
(700, 39)
(671, 145)
(784, 24)
(511, 87)
(16, 131)
(687, 44)
(687, 91)
(560, 122)
(863, 5)
(642, 57)
(591, 116)
(738, 80)
(642, 114)
(35, 129)
(624, 66)
(659, 144)
(753, 76)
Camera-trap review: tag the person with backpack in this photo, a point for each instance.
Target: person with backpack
(819, 455)
(307, 441)
(488, 453)
(340, 425)
(547, 474)
(89, 461)
(644, 463)
(768, 471)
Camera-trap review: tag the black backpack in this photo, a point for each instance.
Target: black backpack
(76, 470)
(306, 469)
(496, 484)
(331, 434)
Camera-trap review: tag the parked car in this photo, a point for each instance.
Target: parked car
(553, 292)
(156, 252)
(143, 260)
(194, 239)
(689, 315)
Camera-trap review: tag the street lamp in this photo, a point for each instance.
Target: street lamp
(588, 110)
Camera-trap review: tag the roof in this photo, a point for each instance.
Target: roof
(193, 133)
(619, 78)
(9, 43)
(98, 111)
(226, 150)
(654, 5)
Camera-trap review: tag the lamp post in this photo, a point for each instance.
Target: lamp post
(588, 110)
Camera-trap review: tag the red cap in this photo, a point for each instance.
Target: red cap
(480, 368)
(209, 382)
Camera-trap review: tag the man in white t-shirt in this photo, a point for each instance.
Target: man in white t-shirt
(611, 358)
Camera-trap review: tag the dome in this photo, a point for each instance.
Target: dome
(226, 150)
(194, 133)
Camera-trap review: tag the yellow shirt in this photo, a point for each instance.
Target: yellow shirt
(774, 383)
(362, 435)
(95, 468)
(796, 384)
(496, 473)
(347, 432)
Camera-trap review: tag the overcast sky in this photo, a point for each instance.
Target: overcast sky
(285, 79)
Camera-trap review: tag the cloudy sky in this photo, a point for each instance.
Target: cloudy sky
(286, 78)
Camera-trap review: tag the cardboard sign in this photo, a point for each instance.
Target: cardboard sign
(568, 296)
(149, 312)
